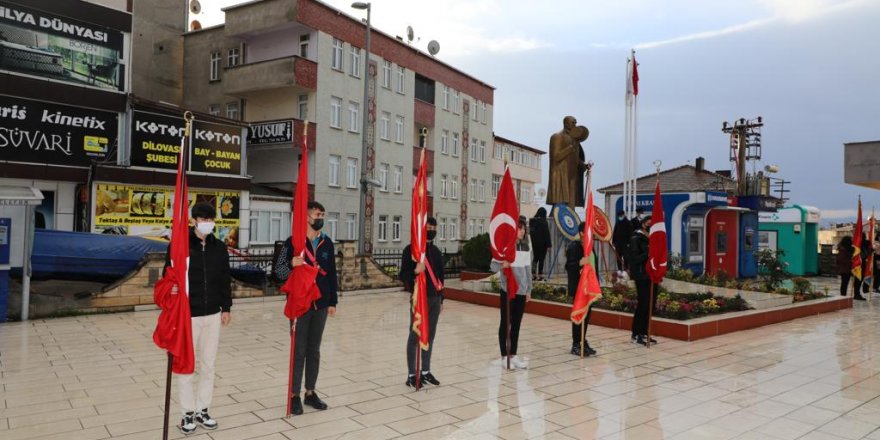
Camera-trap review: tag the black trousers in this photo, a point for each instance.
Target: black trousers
(412, 344)
(309, 331)
(517, 306)
(844, 283)
(538, 261)
(640, 318)
(576, 329)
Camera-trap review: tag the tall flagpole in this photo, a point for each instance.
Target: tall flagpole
(657, 163)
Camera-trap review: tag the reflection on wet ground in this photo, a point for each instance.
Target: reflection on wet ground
(95, 377)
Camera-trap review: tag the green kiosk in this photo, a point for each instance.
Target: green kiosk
(794, 229)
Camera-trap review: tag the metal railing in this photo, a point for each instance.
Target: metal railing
(389, 260)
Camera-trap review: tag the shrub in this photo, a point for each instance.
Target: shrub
(802, 285)
(476, 253)
(771, 268)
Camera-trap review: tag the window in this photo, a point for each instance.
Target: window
(456, 102)
(395, 228)
(473, 150)
(470, 228)
(355, 55)
(335, 112)
(452, 226)
(233, 57)
(382, 230)
(444, 142)
(214, 109)
(496, 152)
(401, 78)
(453, 185)
(430, 184)
(269, 226)
(332, 224)
(483, 112)
(352, 173)
(443, 179)
(472, 189)
(480, 226)
(441, 228)
(215, 66)
(383, 177)
(333, 172)
(398, 179)
(525, 194)
(336, 54)
(304, 107)
(482, 151)
(496, 185)
(454, 144)
(386, 74)
(383, 125)
(398, 129)
(354, 111)
(475, 112)
(232, 110)
(445, 97)
(481, 192)
(304, 45)
(351, 226)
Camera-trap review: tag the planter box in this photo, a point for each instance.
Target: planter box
(690, 330)
(467, 275)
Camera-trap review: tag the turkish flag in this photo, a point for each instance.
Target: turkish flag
(418, 246)
(857, 245)
(171, 293)
(300, 286)
(503, 229)
(657, 250)
(588, 289)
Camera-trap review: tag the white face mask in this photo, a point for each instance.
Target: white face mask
(205, 228)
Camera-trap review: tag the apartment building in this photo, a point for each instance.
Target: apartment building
(525, 170)
(278, 63)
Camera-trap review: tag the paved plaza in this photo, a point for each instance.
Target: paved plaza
(100, 376)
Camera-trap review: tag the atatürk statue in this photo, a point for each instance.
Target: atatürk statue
(567, 164)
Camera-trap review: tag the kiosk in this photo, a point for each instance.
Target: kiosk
(17, 212)
(796, 230)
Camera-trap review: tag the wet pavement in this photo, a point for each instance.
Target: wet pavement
(100, 376)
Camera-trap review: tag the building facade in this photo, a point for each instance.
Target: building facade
(525, 170)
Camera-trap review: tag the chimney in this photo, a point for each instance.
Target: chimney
(701, 164)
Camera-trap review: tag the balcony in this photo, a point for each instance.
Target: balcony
(270, 74)
(258, 16)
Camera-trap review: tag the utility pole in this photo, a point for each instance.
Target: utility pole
(745, 146)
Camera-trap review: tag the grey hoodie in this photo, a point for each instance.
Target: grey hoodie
(522, 272)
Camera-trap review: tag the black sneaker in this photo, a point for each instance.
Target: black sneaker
(296, 406)
(589, 350)
(411, 380)
(639, 340)
(428, 377)
(575, 349)
(187, 425)
(653, 341)
(314, 401)
(204, 420)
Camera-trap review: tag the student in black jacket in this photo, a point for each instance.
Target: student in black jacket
(620, 239)
(539, 232)
(574, 262)
(638, 248)
(408, 271)
(210, 301)
(310, 326)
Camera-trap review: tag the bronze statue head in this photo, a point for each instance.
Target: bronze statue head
(580, 133)
(568, 123)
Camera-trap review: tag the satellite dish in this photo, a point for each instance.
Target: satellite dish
(195, 7)
(409, 33)
(433, 47)
(542, 192)
(195, 25)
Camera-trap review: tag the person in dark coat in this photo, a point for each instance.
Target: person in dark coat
(638, 250)
(539, 232)
(574, 262)
(636, 221)
(845, 250)
(620, 239)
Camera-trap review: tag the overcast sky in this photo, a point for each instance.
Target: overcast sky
(809, 67)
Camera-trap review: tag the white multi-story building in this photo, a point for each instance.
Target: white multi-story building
(525, 170)
(277, 63)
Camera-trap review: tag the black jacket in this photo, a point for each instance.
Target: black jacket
(539, 232)
(408, 267)
(210, 286)
(622, 234)
(326, 259)
(573, 255)
(638, 256)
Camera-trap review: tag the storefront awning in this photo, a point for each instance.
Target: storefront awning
(20, 195)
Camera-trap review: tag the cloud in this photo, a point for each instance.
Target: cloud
(838, 213)
(708, 34)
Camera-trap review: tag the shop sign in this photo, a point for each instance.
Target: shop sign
(270, 132)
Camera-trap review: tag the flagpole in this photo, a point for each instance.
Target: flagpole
(167, 396)
(657, 163)
(423, 136)
(507, 297)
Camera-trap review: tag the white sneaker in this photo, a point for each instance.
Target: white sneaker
(187, 425)
(518, 362)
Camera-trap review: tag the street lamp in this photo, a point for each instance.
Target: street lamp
(362, 217)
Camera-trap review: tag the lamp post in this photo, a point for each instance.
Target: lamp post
(362, 217)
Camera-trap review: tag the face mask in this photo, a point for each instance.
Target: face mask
(641, 216)
(620, 217)
(318, 224)
(205, 228)
(431, 235)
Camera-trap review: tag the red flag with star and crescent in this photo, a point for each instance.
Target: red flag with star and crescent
(418, 247)
(171, 293)
(300, 286)
(588, 289)
(503, 229)
(657, 251)
(857, 245)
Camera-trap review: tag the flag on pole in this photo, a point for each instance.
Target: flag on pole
(503, 229)
(588, 289)
(857, 245)
(869, 264)
(657, 251)
(419, 235)
(300, 286)
(171, 293)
